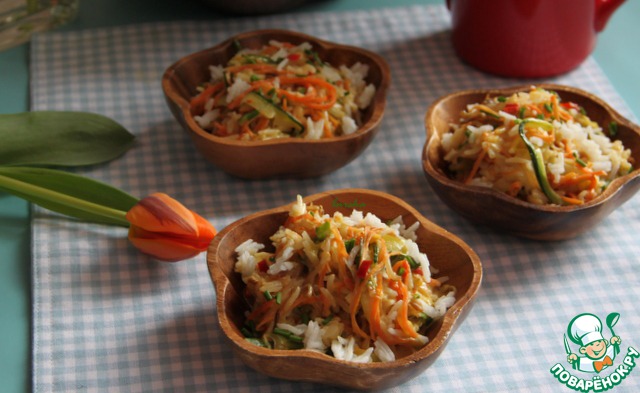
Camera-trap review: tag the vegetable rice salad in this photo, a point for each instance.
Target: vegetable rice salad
(353, 287)
(535, 147)
(282, 90)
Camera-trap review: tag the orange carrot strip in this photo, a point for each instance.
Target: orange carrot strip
(267, 85)
(261, 124)
(198, 102)
(262, 310)
(554, 106)
(541, 134)
(403, 313)
(572, 201)
(326, 130)
(476, 166)
(355, 305)
(374, 318)
(330, 99)
(514, 188)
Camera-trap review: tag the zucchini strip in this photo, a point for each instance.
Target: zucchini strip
(538, 166)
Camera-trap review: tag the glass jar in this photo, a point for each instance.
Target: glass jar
(19, 19)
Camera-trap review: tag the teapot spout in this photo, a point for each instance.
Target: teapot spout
(604, 10)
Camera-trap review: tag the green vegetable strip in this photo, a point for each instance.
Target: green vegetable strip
(376, 252)
(579, 160)
(491, 114)
(538, 166)
(348, 244)
(249, 116)
(323, 231)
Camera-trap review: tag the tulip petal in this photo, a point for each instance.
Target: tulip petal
(206, 231)
(160, 213)
(163, 248)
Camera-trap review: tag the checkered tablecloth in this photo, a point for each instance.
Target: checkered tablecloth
(108, 319)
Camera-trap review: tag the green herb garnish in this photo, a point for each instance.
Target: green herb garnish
(323, 231)
(579, 160)
(348, 244)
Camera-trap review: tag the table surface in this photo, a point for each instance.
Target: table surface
(615, 53)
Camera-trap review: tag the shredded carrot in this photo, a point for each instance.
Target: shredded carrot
(261, 84)
(244, 129)
(555, 106)
(312, 101)
(198, 102)
(395, 285)
(219, 129)
(534, 109)
(572, 178)
(572, 201)
(476, 166)
(355, 305)
(567, 148)
(327, 131)
(261, 124)
(322, 273)
(262, 313)
(514, 188)
(403, 313)
(540, 134)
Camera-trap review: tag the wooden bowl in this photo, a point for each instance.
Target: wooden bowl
(446, 252)
(496, 209)
(288, 157)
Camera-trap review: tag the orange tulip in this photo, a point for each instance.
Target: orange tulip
(163, 228)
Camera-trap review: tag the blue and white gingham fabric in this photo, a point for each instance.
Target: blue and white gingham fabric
(108, 319)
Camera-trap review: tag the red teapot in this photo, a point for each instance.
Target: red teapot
(527, 38)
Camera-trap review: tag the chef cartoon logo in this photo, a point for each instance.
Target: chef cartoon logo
(594, 351)
(597, 353)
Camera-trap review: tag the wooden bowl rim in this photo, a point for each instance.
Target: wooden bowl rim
(433, 138)
(378, 102)
(449, 320)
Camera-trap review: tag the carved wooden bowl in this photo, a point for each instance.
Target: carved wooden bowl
(498, 210)
(446, 252)
(286, 157)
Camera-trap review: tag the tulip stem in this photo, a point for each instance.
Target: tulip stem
(30, 192)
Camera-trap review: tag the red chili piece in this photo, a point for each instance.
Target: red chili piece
(364, 268)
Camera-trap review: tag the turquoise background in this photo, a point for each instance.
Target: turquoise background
(617, 52)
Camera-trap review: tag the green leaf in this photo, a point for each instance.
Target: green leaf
(61, 139)
(68, 194)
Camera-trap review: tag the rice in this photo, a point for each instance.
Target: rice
(327, 275)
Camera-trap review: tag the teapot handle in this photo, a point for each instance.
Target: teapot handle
(604, 10)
